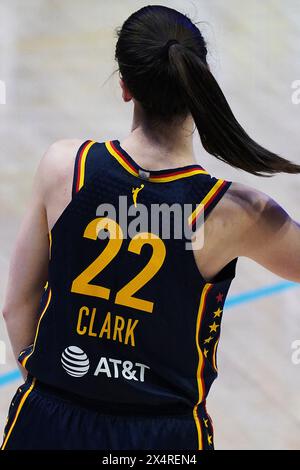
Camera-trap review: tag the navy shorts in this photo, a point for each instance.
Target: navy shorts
(41, 417)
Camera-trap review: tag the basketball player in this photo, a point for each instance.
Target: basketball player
(117, 332)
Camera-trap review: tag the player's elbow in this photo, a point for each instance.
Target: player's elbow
(6, 313)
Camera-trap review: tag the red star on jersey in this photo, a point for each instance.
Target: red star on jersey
(219, 297)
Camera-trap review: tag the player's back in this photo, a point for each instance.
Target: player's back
(126, 318)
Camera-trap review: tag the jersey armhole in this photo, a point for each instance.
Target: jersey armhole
(215, 194)
(227, 273)
(215, 189)
(79, 166)
(218, 189)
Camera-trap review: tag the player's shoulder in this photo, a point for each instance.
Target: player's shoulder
(241, 213)
(60, 152)
(246, 205)
(57, 164)
(241, 203)
(247, 197)
(60, 155)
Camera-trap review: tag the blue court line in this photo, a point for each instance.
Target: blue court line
(255, 294)
(231, 301)
(9, 377)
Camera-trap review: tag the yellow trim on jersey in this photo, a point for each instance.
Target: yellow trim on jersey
(24, 398)
(214, 355)
(205, 201)
(50, 243)
(37, 330)
(82, 164)
(200, 363)
(195, 214)
(154, 179)
(120, 159)
(184, 174)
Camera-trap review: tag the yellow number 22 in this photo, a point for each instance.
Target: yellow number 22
(125, 296)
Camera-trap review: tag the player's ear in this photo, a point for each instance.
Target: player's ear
(126, 95)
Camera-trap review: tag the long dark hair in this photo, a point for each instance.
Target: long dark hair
(171, 82)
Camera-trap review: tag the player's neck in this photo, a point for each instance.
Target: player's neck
(162, 146)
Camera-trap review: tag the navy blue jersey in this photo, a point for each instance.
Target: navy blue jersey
(126, 317)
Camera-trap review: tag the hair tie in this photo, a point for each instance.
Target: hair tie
(168, 44)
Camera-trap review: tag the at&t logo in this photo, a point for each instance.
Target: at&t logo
(75, 361)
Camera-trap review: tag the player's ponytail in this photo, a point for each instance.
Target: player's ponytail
(221, 134)
(171, 82)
